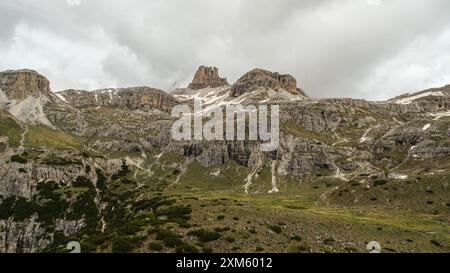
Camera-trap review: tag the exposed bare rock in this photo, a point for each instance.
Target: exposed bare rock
(263, 78)
(433, 92)
(19, 84)
(131, 98)
(24, 94)
(207, 77)
(108, 147)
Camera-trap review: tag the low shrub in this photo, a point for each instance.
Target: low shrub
(122, 173)
(101, 179)
(436, 243)
(276, 228)
(6, 208)
(176, 213)
(82, 182)
(207, 249)
(184, 225)
(169, 238)
(329, 241)
(122, 245)
(24, 209)
(54, 160)
(205, 235)
(18, 159)
(155, 246)
(186, 248)
(230, 239)
(298, 248)
(379, 182)
(222, 229)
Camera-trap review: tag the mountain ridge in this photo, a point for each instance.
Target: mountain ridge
(102, 167)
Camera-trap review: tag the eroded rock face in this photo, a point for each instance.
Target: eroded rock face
(21, 180)
(131, 98)
(330, 138)
(19, 84)
(263, 78)
(207, 77)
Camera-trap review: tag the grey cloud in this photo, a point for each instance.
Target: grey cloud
(336, 48)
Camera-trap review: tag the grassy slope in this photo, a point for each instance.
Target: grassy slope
(296, 220)
(39, 136)
(219, 203)
(301, 213)
(10, 129)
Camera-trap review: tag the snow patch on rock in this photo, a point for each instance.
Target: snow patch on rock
(61, 97)
(364, 138)
(440, 115)
(409, 100)
(274, 179)
(398, 176)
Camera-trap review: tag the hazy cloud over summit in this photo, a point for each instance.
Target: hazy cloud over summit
(372, 49)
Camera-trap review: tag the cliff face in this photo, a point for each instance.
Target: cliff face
(143, 98)
(18, 85)
(263, 78)
(207, 77)
(109, 150)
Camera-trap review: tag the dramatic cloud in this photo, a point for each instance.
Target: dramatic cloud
(373, 49)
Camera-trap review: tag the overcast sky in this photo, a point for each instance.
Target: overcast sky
(372, 49)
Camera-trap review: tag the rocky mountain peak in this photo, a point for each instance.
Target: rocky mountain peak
(207, 77)
(263, 78)
(113, 152)
(20, 84)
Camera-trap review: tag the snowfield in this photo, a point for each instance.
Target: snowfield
(426, 127)
(409, 100)
(61, 97)
(221, 96)
(440, 115)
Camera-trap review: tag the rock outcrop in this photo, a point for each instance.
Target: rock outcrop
(207, 77)
(25, 95)
(263, 78)
(3, 144)
(20, 84)
(106, 151)
(132, 98)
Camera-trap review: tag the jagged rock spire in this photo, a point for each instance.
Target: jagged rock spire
(207, 77)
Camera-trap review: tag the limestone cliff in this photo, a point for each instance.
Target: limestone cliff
(109, 151)
(131, 98)
(263, 78)
(18, 85)
(207, 77)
